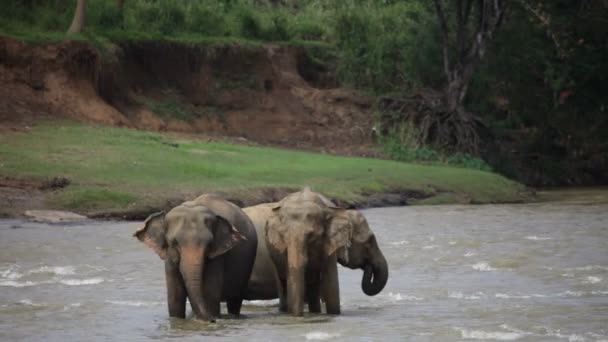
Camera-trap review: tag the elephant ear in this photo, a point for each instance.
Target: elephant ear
(360, 227)
(225, 237)
(339, 233)
(275, 232)
(153, 233)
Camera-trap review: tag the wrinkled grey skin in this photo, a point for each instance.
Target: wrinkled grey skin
(209, 247)
(346, 231)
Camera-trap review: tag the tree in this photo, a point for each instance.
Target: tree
(79, 17)
(453, 125)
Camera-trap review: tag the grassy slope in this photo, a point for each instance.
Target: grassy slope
(114, 168)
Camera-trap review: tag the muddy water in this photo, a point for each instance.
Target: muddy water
(535, 272)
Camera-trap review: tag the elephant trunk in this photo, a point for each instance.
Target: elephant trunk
(192, 269)
(378, 268)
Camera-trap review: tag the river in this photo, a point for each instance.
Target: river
(529, 272)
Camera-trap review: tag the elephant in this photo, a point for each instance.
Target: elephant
(346, 238)
(209, 247)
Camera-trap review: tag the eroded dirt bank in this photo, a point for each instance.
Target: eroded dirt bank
(269, 95)
(273, 95)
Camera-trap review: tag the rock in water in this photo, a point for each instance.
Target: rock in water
(53, 216)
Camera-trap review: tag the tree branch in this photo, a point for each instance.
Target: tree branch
(443, 26)
(545, 23)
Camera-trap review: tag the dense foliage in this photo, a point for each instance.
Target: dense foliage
(538, 90)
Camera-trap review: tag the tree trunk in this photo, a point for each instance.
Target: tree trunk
(120, 4)
(452, 127)
(79, 17)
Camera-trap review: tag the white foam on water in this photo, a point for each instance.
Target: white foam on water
(603, 293)
(71, 306)
(28, 283)
(24, 302)
(57, 270)
(598, 337)
(510, 328)
(564, 294)
(469, 254)
(320, 335)
(10, 273)
(589, 268)
(96, 268)
(28, 302)
(492, 335)
(593, 280)
(400, 243)
(431, 247)
(133, 303)
(538, 238)
(507, 296)
(452, 243)
(69, 282)
(570, 337)
(460, 295)
(263, 303)
(397, 297)
(78, 282)
(483, 267)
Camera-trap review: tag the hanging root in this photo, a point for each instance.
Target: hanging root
(450, 131)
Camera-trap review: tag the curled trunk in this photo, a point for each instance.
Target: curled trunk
(375, 274)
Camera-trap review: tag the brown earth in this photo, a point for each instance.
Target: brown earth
(270, 94)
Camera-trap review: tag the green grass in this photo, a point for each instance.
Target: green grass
(117, 168)
(86, 199)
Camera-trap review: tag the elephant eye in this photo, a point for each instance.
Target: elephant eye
(296, 216)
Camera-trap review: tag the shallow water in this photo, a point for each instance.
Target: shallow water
(534, 272)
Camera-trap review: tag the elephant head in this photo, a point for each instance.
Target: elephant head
(302, 218)
(187, 237)
(362, 250)
(303, 252)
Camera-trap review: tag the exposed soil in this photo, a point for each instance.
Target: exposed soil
(271, 95)
(17, 194)
(267, 95)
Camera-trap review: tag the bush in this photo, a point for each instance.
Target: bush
(277, 28)
(166, 17)
(381, 45)
(105, 15)
(206, 20)
(248, 24)
(399, 144)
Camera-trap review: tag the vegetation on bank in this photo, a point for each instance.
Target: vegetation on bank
(538, 91)
(123, 169)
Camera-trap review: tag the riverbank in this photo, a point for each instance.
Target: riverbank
(107, 172)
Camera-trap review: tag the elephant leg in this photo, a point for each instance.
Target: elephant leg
(282, 291)
(234, 306)
(313, 291)
(214, 281)
(330, 286)
(296, 261)
(176, 291)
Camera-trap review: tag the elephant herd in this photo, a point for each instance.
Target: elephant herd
(215, 251)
